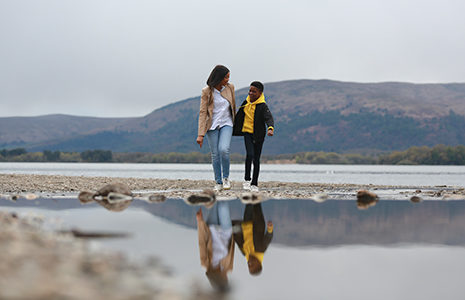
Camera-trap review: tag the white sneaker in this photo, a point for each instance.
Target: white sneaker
(218, 187)
(226, 184)
(254, 188)
(246, 185)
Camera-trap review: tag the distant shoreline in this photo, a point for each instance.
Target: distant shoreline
(437, 155)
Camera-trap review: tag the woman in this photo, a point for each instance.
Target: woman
(216, 115)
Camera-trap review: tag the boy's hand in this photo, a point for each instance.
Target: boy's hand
(270, 132)
(269, 227)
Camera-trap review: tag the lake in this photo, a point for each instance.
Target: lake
(357, 174)
(332, 250)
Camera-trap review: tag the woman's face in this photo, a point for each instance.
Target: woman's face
(225, 80)
(254, 93)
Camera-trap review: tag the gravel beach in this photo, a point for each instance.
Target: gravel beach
(53, 185)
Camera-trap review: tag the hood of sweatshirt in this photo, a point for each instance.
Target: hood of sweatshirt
(261, 99)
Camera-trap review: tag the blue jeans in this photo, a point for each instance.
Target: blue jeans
(219, 215)
(219, 141)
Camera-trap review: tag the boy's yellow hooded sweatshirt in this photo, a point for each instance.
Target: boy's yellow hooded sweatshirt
(248, 246)
(249, 111)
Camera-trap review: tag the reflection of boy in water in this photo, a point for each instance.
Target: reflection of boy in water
(216, 245)
(252, 238)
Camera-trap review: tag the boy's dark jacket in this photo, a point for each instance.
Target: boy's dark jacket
(262, 116)
(261, 237)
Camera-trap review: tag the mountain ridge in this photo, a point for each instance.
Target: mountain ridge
(311, 115)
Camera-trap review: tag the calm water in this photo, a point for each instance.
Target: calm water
(330, 250)
(359, 174)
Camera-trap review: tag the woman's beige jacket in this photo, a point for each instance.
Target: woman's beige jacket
(206, 106)
(206, 248)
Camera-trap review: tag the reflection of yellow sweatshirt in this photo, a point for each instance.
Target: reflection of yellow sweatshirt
(248, 247)
(249, 110)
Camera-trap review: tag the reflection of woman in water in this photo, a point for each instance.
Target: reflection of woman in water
(252, 237)
(216, 245)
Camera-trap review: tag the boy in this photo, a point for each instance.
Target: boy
(250, 122)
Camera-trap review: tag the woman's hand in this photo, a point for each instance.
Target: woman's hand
(199, 215)
(200, 140)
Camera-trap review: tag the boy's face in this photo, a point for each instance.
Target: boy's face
(254, 93)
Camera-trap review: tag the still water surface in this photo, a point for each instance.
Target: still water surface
(331, 250)
(358, 174)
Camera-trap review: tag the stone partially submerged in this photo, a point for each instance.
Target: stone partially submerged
(206, 198)
(114, 197)
(366, 199)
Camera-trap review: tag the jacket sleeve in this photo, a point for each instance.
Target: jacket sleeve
(239, 121)
(233, 101)
(228, 261)
(268, 117)
(267, 240)
(203, 112)
(204, 241)
(238, 235)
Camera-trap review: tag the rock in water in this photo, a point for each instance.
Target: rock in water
(319, 198)
(366, 199)
(114, 206)
(156, 198)
(206, 198)
(415, 199)
(118, 188)
(86, 197)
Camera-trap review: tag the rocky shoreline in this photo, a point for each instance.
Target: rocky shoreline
(22, 185)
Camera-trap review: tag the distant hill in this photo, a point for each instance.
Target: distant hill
(310, 115)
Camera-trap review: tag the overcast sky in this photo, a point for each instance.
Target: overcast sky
(126, 58)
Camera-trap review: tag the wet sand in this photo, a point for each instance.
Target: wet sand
(57, 185)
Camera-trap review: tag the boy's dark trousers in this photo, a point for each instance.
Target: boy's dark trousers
(254, 213)
(254, 151)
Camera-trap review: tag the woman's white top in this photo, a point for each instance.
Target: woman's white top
(220, 243)
(221, 112)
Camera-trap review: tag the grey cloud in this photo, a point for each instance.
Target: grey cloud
(126, 58)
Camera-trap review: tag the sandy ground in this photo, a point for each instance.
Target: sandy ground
(53, 185)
